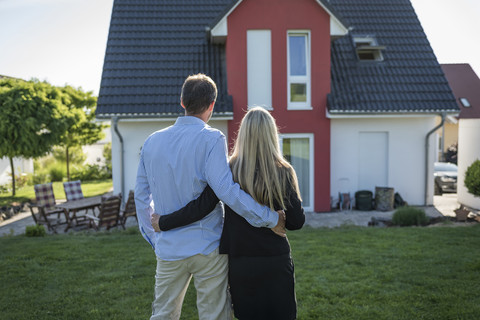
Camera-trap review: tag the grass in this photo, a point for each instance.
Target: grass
(89, 189)
(345, 273)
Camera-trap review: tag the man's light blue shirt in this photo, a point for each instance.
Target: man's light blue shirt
(175, 166)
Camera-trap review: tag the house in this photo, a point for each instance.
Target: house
(465, 85)
(354, 85)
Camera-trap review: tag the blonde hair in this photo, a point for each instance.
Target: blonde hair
(257, 163)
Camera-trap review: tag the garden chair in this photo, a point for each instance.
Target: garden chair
(45, 207)
(129, 210)
(73, 190)
(345, 201)
(109, 214)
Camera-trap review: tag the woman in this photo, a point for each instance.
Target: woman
(261, 271)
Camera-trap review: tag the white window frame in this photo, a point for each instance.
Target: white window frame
(310, 165)
(299, 79)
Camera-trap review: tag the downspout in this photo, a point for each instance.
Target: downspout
(122, 179)
(427, 147)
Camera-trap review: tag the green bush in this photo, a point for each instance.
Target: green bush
(39, 178)
(35, 231)
(4, 188)
(472, 178)
(409, 216)
(90, 172)
(56, 174)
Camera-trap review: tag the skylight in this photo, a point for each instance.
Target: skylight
(465, 102)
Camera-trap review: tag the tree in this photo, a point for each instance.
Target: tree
(32, 119)
(84, 130)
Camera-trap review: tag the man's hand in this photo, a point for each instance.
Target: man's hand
(154, 221)
(279, 229)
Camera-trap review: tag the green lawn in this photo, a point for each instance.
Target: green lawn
(345, 273)
(89, 189)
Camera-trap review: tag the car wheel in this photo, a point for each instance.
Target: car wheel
(438, 190)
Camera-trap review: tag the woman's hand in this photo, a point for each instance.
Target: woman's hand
(154, 219)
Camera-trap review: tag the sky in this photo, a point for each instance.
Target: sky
(64, 41)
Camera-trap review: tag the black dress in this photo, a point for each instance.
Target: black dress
(261, 270)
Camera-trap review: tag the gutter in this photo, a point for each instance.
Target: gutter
(122, 169)
(427, 146)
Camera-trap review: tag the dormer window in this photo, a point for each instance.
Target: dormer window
(367, 49)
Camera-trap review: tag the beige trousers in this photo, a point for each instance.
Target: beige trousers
(210, 274)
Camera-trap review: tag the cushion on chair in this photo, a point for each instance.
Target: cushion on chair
(73, 190)
(44, 195)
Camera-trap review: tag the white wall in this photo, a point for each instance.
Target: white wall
(468, 152)
(134, 134)
(20, 165)
(405, 158)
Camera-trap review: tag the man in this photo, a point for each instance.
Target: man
(175, 166)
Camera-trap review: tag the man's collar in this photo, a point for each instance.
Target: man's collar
(185, 120)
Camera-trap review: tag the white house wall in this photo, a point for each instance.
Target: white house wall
(20, 165)
(468, 152)
(405, 148)
(134, 134)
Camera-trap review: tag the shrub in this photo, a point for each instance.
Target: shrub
(472, 178)
(409, 216)
(56, 174)
(21, 180)
(39, 178)
(107, 153)
(4, 188)
(90, 172)
(35, 231)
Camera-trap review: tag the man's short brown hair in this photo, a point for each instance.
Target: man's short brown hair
(198, 92)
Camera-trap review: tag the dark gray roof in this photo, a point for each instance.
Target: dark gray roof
(409, 79)
(152, 47)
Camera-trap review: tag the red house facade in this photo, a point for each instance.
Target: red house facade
(278, 56)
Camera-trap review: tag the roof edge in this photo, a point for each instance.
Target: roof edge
(159, 115)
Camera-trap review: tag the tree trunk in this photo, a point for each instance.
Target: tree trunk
(13, 176)
(68, 164)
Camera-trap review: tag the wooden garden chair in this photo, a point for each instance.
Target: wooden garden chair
(129, 210)
(73, 190)
(44, 210)
(109, 214)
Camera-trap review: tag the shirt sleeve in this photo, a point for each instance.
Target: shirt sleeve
(219, 178)
(143, 203)
(195, 210)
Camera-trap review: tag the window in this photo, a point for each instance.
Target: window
(465, 102)
(259, 68)
(367, 49)
(298, 69)
(298, 150)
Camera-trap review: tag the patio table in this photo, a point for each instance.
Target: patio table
(71, 208)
